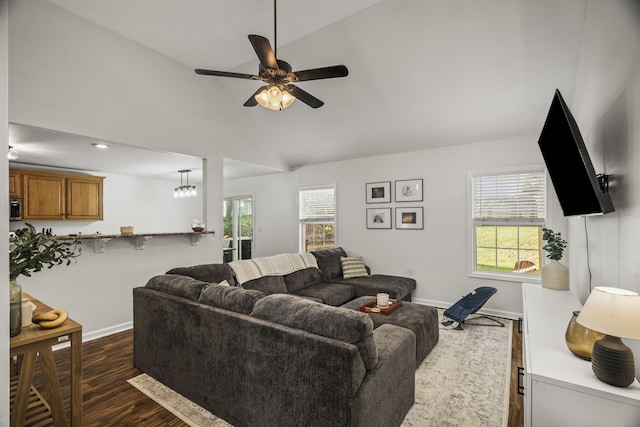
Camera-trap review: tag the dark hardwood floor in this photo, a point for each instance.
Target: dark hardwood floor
(110, 401)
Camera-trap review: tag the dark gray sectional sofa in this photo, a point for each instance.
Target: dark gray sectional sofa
(324, 284)
(278, 350)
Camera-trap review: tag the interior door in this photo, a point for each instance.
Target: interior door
(238, 228)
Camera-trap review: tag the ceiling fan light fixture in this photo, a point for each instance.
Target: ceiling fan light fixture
(278, 94)
(287, 98)
(274, 97)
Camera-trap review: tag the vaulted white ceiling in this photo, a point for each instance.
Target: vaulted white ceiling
(422, 73)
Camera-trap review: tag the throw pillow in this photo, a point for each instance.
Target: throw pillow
(353, 267)
(328, 261)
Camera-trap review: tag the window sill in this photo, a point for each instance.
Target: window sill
(506, 277)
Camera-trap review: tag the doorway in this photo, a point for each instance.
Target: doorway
(238, 228)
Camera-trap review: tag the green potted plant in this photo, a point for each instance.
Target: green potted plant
(555, 244)
(30, 252)
(554, 274)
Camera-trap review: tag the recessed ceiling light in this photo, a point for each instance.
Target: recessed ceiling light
(100, 145)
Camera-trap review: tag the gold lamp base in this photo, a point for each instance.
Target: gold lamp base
(612, 362)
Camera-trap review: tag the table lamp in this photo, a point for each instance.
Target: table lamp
(616, 313)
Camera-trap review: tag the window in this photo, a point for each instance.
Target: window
(317, 218)
(508, 212)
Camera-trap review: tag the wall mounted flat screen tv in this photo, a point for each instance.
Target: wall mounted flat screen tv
(576, 183)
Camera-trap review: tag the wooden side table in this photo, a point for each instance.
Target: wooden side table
(34, 341)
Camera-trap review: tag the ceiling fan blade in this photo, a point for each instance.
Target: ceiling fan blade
(226, 74)
(322, 73)
(263, 49)
(304, 96)
(252, 102)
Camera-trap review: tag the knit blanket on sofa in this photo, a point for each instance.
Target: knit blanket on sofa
(276, 265)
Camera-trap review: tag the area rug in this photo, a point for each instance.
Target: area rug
(463, 382)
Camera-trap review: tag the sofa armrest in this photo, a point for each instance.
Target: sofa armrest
(388, 390)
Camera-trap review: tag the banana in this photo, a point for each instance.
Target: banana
(48, 315)
(50, 319)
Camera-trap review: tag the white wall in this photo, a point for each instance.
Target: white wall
(605, 250)
(69, 75)
(438, 256)
(601, 250)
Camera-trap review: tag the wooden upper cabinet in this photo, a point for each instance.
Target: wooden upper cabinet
(84, 197)
(44, 196)
(57, 196)
(15, 183)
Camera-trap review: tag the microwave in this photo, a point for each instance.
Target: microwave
(15, 209)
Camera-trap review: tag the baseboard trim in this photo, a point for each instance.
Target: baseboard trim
(100, 333)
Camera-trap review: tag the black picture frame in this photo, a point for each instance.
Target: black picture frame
(409, 190)
(379, 218)
(378, 192)
(410, 218)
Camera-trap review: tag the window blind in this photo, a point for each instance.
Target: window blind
(516, 197)
(317, 204)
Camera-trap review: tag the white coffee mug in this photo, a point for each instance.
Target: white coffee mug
(27, 312)
(383, 300)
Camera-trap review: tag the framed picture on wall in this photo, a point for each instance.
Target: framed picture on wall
(409, 190)
(379, 192)
(409, 218)
(379, 218)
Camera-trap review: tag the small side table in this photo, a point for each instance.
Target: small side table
(34, 341)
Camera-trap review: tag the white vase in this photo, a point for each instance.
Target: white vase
(555, 276)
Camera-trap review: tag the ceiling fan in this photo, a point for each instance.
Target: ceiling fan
(279, 91)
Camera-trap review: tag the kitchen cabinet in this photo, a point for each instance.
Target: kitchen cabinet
(84, 197)
(15, 183)
(59, 196)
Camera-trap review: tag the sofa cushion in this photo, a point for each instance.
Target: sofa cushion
(175, 284)
(267, 285)
(397, 287)
(332, 322)
(353, 267)
(212, 273)
(230, 298)
(329, 262)
(302, 279)
(334, 294)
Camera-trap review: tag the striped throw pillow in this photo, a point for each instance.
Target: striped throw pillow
(353, 267)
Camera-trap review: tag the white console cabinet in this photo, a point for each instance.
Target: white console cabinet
(560, 389)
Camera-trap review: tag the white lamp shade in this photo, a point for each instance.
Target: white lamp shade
(612, 311)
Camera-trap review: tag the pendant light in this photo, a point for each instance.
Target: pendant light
(184, 190)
